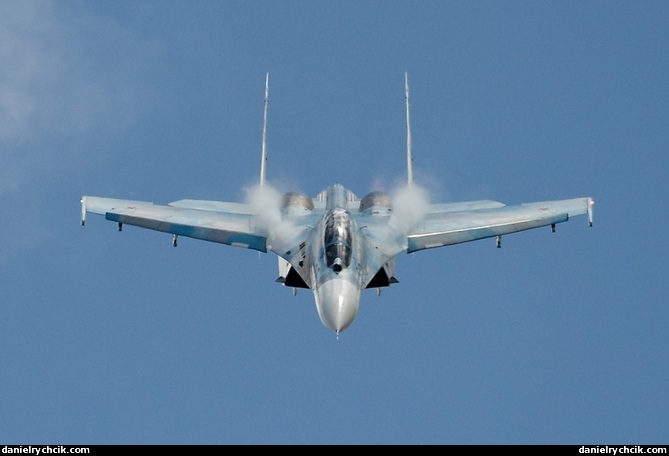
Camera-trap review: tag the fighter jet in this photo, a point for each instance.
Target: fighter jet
(334, 243)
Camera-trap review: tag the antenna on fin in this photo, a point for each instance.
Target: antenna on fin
(409, 157)
(263, 152)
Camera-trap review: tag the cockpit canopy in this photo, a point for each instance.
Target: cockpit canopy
(337, 239)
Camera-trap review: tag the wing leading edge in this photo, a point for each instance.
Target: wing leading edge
(442, 228)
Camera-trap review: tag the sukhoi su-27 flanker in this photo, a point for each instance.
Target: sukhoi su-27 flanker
(335, 243)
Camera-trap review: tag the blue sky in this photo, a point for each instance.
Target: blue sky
(111, 337)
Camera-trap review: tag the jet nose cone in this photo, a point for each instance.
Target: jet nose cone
(337, 302)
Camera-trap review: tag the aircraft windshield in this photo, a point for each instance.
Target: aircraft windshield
(337, 240)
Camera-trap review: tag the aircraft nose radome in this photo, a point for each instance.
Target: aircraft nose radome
(337, 302)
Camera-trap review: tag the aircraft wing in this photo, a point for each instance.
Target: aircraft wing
(441, 228)
(206, 221)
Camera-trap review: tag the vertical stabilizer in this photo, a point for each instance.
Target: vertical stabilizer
(409, 156)
(263, 151)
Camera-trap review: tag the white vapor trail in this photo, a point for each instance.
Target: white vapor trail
(265, 202)
(410, 204)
